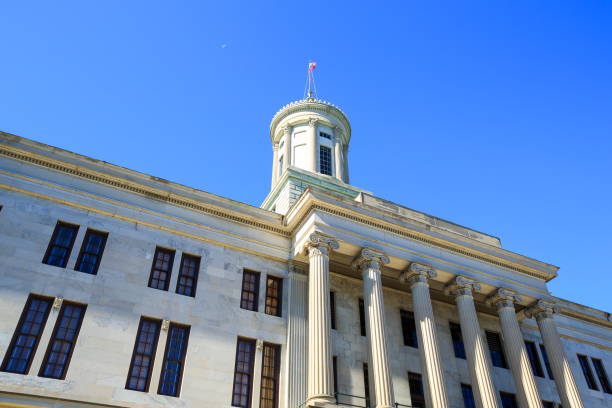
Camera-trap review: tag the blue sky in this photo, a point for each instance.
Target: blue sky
(493, 116)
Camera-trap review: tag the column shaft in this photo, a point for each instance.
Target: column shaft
(339, 166)
(313, 146)
(297, 330)
(274, 164)
(287, 154)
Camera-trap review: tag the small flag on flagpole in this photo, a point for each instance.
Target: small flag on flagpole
(311, 66)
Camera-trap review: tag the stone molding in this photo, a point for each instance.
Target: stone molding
(462, 286)
(417, 273)
(370, 258)
(503, 298)
(542, 309)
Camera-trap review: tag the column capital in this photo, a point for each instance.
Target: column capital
(417, 273)
(275, 146)
(542, 309)
(57, 303)
(462, 286)
(312, 122)
(503, 298)
(320, 242)
(287, 129)
(370, 258)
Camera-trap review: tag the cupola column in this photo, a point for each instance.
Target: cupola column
(543, 311)
(338, 165)
(417, 276)
(313, 146)
(370, 262)
(287, 151)
(479, 364)
(320, 376)
(274, 164)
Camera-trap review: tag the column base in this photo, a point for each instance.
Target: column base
(321, 401)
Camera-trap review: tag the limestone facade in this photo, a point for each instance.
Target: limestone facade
(318, 235)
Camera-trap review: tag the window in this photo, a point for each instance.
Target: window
(325, 135)
(250, 290)
(366, 384)
(408, 328)
(532, 353)
(325, 163)
(417, 396)
(161, 269)
(495, 348)
(274, 296)
(188, 275)
(269, 376)
(61, 244)
(174, 360)
(243, 373)
(91, 252)
(468, 396)
(601, 374)
(63, 339)
(458, 346)
(335, 373)
(332, 309)
(588, 374)
(362, 324)
(508, 400)
(548, 404)
(546, 362)
(27, 335)
(141, 365)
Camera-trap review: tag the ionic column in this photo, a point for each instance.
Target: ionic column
(274, 163)
(370, 262)
(320, 376)
(417, 276)
(543, 312)
(313, 146)
(339, 166)
(287, 159)
(514, 346)
(479, 363)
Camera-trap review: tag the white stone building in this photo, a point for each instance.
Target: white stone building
(119, 289)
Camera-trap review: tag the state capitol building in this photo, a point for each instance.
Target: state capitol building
(120, 289)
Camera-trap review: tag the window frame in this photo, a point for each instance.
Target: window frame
(416, 394)
(366, 383)
(143, 319)
(251, 370)
(600, 372)
(509, 395)
(182, 361)
(68, 248)
(466, 389)
(546, 361)
(489, 336)
(534, 360)
(329, 160)
(409, 330)
(335, 374)
(362, 322)
(53, 338)
(257, 275)
(279, 297)
(89, 232)
(587, 372)
(458, 345)
(276, 374)
(195, 277)
(332, 310)
(172, 253)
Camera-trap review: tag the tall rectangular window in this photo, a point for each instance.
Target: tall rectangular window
(468, 396)
(548, 404)
(274, 296)
(362, 322)
(335, 373)
(408, 328)
(366, 384)
(25, 340)
(91, 252)
(243, 373)
(534, 361)
(332, 308)
(508, 400)
(139, 375)
(161, 268)
(269, 376)
(61, 244)
(325, 160)
(188, 275)
(546, 362)
(250, 290)
(417, 396)
(496, 349)
(588, 374)
(458, 346)
(602, 375)
(63, 339)
(174, 360)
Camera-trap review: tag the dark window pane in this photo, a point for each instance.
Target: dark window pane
(417, 396)
(243, 373)
(408, 328)
(362, 322)
(458, 346)
(161, 269)
(269, 376)
(174, 360)
(468, 396)
(188, 275)
(366, 384)
(548, 404)
(61, 244)
(274, 296)
(325, 160)
(325, 135)
(332, 308)
(534, 361)
(546, 362)
(495, 348)
(508, 400)
(602, 375)
(335, 368)
(63, 341)
(588, 374)
(139, 375)
(25, 340)
(91, 252)
(250, 290)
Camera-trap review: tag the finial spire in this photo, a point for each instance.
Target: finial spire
(310, 85)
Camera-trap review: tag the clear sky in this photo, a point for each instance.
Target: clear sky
(494, 116)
